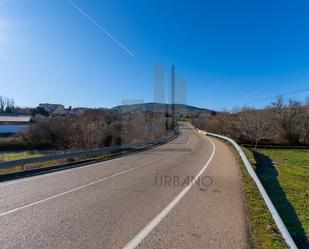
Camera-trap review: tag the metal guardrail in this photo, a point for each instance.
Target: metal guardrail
(84, 153)
(282, 228)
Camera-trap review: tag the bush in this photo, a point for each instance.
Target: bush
(94, 129)
(281, 123)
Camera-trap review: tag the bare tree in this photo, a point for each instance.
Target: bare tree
(285, 115)
(10, 105)
(221, 123)
(2, 104)
(7, 105)
(49, 132)
(302, 125)
(254, 125)
(282, 122)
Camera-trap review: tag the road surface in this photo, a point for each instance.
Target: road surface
(184, 194)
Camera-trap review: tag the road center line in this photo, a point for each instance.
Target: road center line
(132, 244)
(92, 183)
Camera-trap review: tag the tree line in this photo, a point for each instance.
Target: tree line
(283, 122)
(7, 105)
(92, 129)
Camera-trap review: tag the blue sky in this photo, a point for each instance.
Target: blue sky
(230, 53)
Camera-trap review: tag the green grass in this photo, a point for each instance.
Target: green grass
(284, 174)
(263, 230)
(58, 163)
(18, 155)
(15, 156)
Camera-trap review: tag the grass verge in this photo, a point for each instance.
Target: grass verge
(262, 228)
(18, 155)
(284, 174)
(63, 163)
(54, 164)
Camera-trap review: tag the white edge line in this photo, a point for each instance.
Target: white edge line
(91, 183)
(273, 211)
(148, 228)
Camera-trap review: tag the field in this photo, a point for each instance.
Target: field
(15, 156)
(285, 176)
(57, 163)
(18, 155)
(263, 231)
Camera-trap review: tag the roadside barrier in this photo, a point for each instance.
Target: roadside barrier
(87, 153)
(282, 228)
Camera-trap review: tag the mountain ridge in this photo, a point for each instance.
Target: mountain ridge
(180, 109)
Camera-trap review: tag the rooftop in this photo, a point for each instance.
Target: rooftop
(14, 118)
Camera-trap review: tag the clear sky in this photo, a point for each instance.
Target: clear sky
(229, 52)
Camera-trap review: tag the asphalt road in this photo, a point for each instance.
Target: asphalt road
(184, 194)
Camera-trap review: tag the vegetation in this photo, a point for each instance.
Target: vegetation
(22, 168)
(91, 129)
(95, 128)
(15, 156)
(7, 105)
(281, 123)
(59, 163)
(284, 173)
(13, 143)
(263, 230)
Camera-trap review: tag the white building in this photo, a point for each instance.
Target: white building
(10, 124)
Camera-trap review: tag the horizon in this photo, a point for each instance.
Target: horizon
(232, 110)
(154, 124)
(96, 54)
(103, 107)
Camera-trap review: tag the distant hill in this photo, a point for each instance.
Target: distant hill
(180, 109)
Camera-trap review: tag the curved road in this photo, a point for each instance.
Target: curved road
(184, 194)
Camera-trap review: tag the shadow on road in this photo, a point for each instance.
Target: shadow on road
(268, 175)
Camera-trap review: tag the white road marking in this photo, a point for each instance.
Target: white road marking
(91, 183)
(132, 244)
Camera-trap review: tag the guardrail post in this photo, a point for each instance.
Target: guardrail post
(69, 155)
